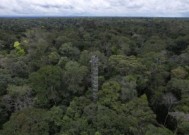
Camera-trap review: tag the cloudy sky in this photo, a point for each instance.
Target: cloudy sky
(146, 8)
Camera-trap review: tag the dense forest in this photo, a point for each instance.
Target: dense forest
(45, 76)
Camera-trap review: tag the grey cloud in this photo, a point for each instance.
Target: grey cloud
(126, 3)
(96, 7)
(2, 7)
(185, 14)
(117, 3)
(135, 6)
(27, 11)
(20, 12)
(48, 6)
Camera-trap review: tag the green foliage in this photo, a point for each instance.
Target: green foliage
(4, 115)
(55, 114)
(183, 128)
(152, 130)
(19, 69)
(46, 83)
(37, 48)
(153, 44)
(125, 65)
(27, 122)
(107, 120)
(53, 57)
(139, 118)
(54, 118)
(179, 86)
(4, 81)
(143, 76)
(128, 89)
(62, 62)
(179, 72)
(109, 93)
(69, 51)
(154, 60)
(97, 133)
(130, 118)
(74, 74)
(19, 50)
(180, 44)
(73, 122)
(17, 90)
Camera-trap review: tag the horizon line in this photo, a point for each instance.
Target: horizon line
(72, 16)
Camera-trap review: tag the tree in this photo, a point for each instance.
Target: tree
(5, 112)
(182, 120)
(73, 122)
(4, 81)
(36, 43)
(62, 62)
(46, 83)
(180, 44)
(153, 44)
(143, 66)
(179, 72)
(21, 97)
(128, 88)
(138, 115)
(74, 75)
(180, 87)
(125, 65)
(61, 40)
(19, 68)
(110, 93)
(54, 119)
(19, 50)
(2, 44)
(183, 127)
(69, 51)
(27, 122)
(122, 45)
(53, 57)
(158, 131)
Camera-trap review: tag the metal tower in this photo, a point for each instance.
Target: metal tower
(94, 76)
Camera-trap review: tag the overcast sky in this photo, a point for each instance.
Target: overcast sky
(145, 8)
